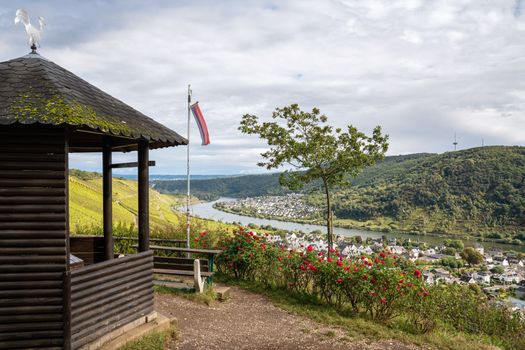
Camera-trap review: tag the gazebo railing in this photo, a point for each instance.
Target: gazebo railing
(108, 295)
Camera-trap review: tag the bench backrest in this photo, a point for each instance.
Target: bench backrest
(172, 263)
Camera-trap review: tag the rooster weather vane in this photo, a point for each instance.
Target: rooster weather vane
(34, 33)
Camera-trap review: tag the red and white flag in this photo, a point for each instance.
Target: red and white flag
(201, 123)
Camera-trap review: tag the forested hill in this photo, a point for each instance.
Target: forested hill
(469, 191)
(268, 184)
(237, 187)
(479, 190)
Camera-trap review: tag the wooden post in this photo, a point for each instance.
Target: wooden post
(143, 179)
(67, 309)
(107, 189)
(66, 284)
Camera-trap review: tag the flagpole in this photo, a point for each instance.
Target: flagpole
(188, 175)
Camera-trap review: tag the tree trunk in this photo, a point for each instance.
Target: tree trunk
(329, 227)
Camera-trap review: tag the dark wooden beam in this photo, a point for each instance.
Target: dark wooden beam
(107, 190)
(66, 287)
(130, 165)
(143, 189)
(67, 310)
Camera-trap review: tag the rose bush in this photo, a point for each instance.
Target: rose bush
(374, 284)
(379, 285)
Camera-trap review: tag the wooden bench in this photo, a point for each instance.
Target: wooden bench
(200, 269)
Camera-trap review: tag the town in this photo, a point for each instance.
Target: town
(500, 274)
(290, 206)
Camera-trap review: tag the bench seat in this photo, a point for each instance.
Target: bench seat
(180, 272)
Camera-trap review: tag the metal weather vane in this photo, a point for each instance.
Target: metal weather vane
(34, 33)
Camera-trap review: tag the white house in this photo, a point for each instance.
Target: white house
(481, 277)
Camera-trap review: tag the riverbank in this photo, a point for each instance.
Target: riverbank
(206, 210)
(383, 228)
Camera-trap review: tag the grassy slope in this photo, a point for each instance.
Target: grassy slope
(360, 328)
(85, 204)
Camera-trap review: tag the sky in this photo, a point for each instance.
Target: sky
(424, 70)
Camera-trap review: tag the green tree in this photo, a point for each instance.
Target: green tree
(454, 243)
(472, 256)
(449, 251)
(315, 150)
(497, 269)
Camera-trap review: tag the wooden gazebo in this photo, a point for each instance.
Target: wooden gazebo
(46, 112)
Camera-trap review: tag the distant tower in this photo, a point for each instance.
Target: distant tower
(455, 143)
(482, 142)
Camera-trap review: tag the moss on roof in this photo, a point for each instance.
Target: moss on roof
(31, 108)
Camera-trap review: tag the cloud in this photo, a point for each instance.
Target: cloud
(518, 8)
(411, 37)
(423, 70)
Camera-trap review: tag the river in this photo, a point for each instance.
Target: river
(206, 210)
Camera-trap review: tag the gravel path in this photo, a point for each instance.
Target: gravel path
(251, 321)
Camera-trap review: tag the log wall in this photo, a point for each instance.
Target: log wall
(33, 231)
(110, 294)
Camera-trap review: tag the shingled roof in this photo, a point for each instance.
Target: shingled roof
(36, 90)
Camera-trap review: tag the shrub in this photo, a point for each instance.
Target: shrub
(376, 285)
(381, 286)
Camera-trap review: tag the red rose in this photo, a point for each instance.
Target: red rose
(339, 263)
(383, 301)
(331, 250)
(339, 281)
(310, 248)
(417, 273)
(263, 247)
(329, 260)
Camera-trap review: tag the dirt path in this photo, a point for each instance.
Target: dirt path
(250, 321)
